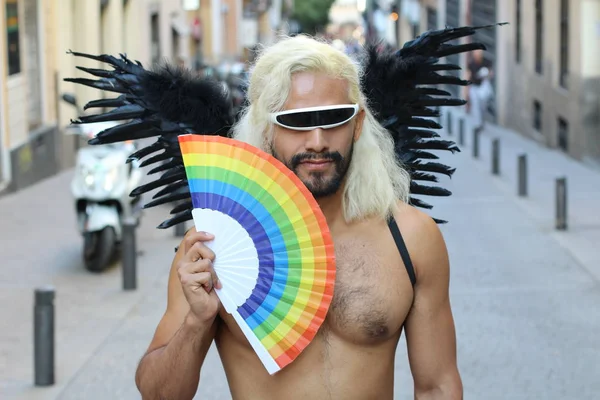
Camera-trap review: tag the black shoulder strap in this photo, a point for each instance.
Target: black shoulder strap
(402, 249)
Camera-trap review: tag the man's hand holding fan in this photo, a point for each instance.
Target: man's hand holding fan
(198, 277)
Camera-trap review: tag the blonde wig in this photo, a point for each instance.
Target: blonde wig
(375, 180)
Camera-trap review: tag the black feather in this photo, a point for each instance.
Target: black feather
(461, 48)
(145, 151)
(128, 111)
(101, 73)
(109, 85)
(420, 203)
(168, 199)
(433, 167)
(162, 181)
(416, 188)
(178, 170)
(171, 188)
(182, 207)
(433, 144)
(401, 88)
(166, 166)
(424, 155)
(421, 176)
(177, 219)
(116, 102)
(133, 130)
(420, 133)
(200, 103)
(158, 158)
(444, 67)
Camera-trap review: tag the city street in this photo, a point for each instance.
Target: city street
(525, 297)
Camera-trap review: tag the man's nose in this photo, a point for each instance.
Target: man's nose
(316, 141)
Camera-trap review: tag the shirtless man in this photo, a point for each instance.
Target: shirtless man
(380, 289)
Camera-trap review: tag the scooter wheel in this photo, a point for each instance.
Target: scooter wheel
(98, 249)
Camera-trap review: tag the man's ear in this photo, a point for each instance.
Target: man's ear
(360, 119)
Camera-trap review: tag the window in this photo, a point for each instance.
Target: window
(563, 134)
(415, 30)
(154, 38)
(32, 67)
(453, 20)
(431, 18)
(539, 36)
(518, 32)
(12, 37)
(104, 26)
(537, 115)
(564, 43)
(175, 39)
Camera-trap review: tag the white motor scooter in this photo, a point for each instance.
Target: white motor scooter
(101, 185)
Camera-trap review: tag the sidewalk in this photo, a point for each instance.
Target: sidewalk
(544, 166)
(40, 245)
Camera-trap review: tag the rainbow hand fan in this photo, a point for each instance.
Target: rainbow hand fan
(274, 252)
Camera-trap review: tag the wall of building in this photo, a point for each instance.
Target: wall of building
(15, 90)
(589, 98)
(518, 84)
(524, 85)
(28, 128)
(32, 115)
(4, 136)
(207, 31)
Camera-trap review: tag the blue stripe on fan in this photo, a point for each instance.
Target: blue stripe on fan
(248, 212)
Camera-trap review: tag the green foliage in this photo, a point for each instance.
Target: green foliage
(313, 15)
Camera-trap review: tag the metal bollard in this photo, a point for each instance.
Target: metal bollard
(461, 131)
(43, 333)
(449, 115)
(561, 204)
(180, 229)
(475, 143)
(522, 175)
(496, 156)
(129, 256)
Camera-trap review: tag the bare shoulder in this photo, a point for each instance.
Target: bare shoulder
(424, 241)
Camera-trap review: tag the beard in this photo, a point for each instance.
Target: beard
(321, 184)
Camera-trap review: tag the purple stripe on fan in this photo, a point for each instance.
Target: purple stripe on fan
(259, 237)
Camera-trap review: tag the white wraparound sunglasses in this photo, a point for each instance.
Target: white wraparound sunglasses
(307, 119)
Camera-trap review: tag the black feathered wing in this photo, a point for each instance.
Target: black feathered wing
(162, 104)
(400, 88)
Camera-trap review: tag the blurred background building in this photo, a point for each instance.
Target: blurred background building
(546, 64)
(36, 34)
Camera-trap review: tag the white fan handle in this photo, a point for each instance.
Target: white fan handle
(209, 221)
(229, 305)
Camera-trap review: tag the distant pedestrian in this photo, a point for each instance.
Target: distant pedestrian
(481, 90)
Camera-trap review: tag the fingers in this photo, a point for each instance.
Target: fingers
(193, 236)
(198, 280)
(198, 258)
(199, 251)
(200, 266)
